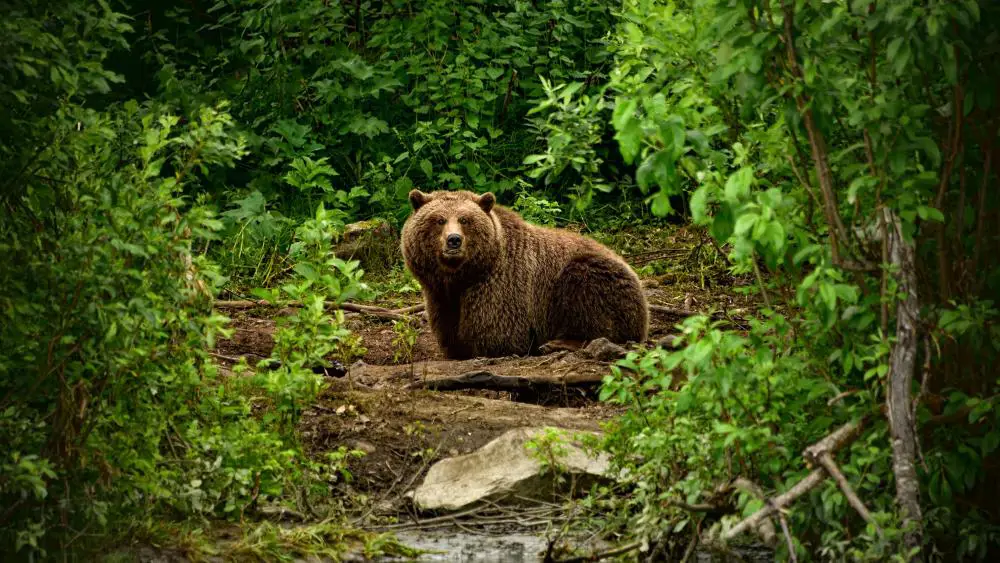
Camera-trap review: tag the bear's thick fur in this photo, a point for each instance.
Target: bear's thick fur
(495, 285)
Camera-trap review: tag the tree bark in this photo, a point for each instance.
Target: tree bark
(898, 397)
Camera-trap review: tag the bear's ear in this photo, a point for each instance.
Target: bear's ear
(486, 201)
(418, 199)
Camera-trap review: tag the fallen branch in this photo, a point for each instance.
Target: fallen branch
(767, 533)
(827, 446)
(807, 484)
(402, 314)
(641, 258)
(380, 312)
(664, 310)
(411, 310)
(484, 379)
(831, 468)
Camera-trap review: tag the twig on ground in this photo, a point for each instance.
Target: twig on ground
(411, 310)
(484, 379)
(428, 521)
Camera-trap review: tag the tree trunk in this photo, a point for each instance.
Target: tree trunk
(902, 365)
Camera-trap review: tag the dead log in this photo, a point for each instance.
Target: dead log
(685, 313)
(902, 363)
(484, 379)
(478, 379)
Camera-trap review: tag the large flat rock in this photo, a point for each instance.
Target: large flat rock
(507, 468)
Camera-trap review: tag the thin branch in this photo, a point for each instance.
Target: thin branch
(788, 537)
(816, 140)
(831, 467)
(760, 282)
(802, 179)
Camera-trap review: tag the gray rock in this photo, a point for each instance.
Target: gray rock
(603, 350)
(668, 341)
(507, 468)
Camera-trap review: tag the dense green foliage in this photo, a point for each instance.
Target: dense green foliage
(154, 153)
(794, 127)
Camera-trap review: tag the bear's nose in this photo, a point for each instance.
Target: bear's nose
(454, 241)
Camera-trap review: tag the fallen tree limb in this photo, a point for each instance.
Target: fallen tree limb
(412, 310)
(807, 484)
(664, 310)
(767, 533)
(485, 379)
(478, 379)
(380, 312)
(825, 447)
(401, 314)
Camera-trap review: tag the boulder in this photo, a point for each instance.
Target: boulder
(507, 467)
(603, 350)
(374, 243)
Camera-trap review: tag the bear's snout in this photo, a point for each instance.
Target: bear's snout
(453, 241)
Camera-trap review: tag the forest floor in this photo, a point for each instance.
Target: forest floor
(382, 407)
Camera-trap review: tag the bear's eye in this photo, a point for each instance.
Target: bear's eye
(463, 221)
(441, 221)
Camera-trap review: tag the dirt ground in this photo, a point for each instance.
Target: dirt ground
(379, 407)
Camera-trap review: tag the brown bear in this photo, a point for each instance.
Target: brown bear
(495, 285)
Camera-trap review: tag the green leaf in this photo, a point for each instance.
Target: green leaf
(738, 185)
(928, 213)
(722, 224)
(624, 112)
(629, 138)
(661, 204)
(930, 148)
(699, 205)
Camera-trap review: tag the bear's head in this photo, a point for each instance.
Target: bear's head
(451, 237)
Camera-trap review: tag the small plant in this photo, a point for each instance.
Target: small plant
(537, 210)
(406, 338)
(549, 448)
(311, 335)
